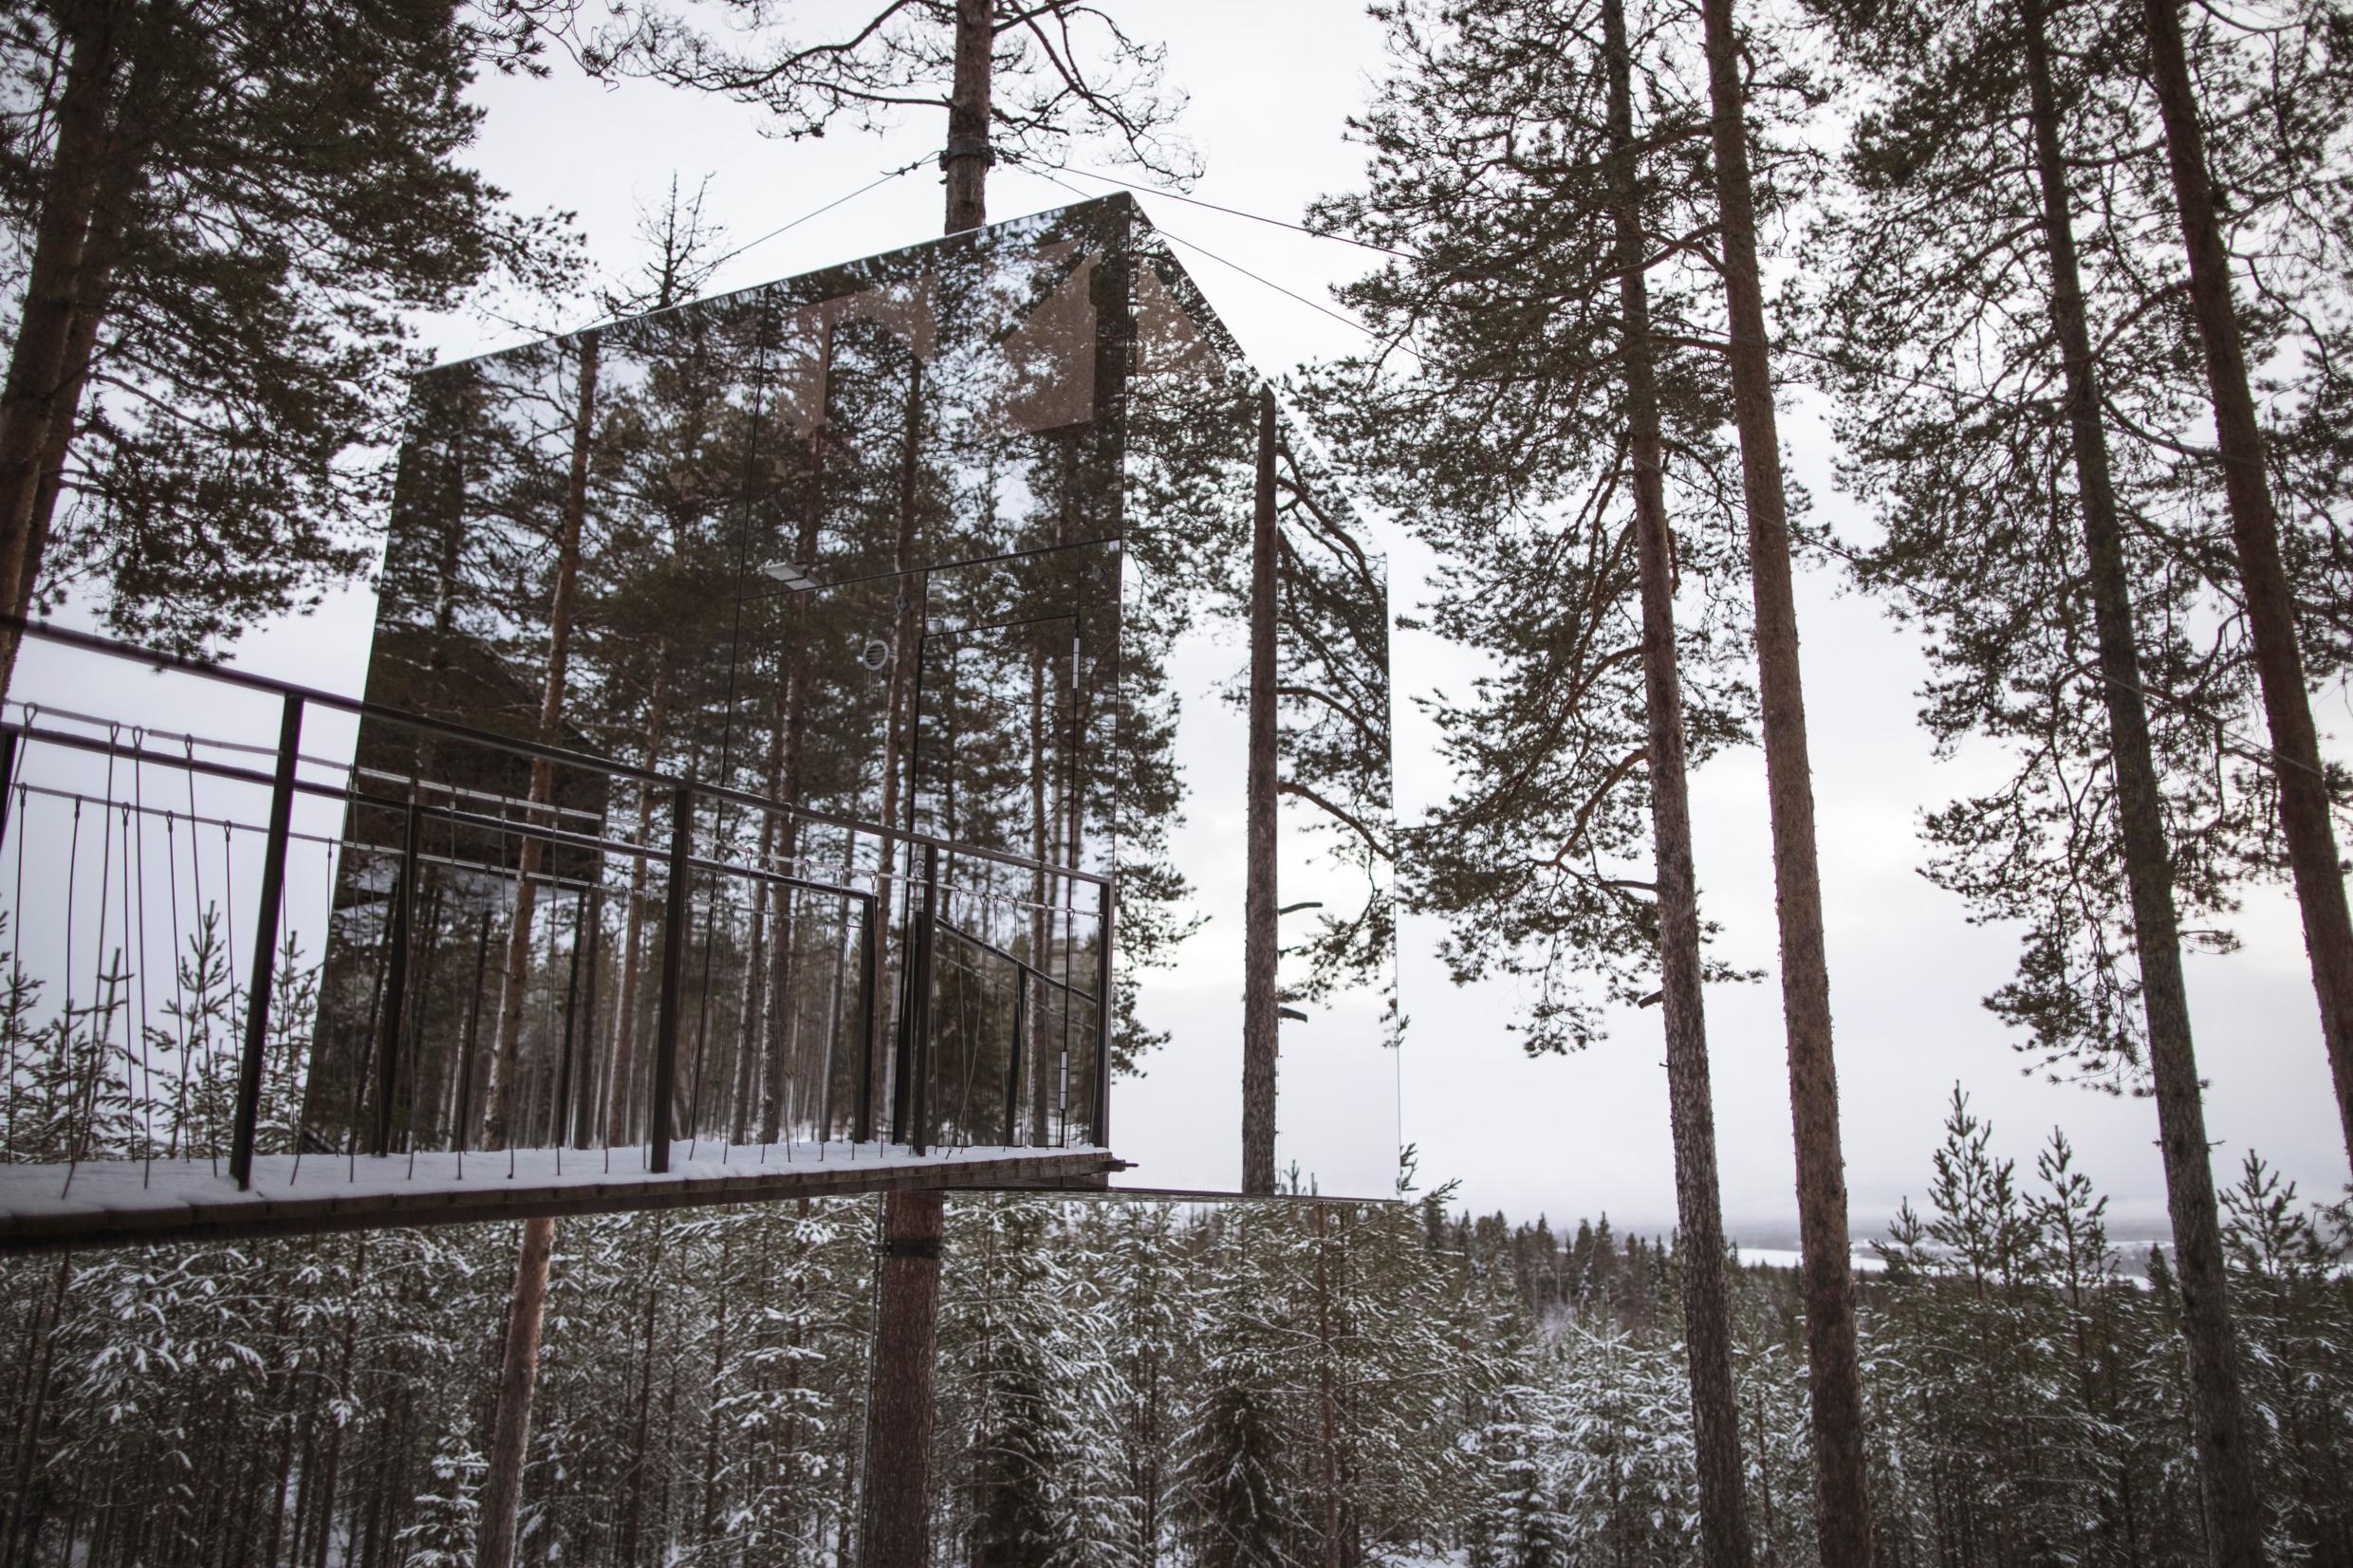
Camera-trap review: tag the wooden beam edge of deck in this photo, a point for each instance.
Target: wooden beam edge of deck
(246, 1218)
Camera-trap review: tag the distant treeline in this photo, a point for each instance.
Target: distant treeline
(1125, 1383)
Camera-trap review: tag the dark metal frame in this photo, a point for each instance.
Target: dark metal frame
(285, 783)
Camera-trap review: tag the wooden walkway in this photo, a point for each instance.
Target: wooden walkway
(100, 1203)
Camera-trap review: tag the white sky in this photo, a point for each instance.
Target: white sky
(1271, 86)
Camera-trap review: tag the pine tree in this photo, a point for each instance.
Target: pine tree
(1982, 83)
(1515, 447)
(228, 211)
(2302, 781)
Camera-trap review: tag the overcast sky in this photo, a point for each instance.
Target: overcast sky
(1272, 88)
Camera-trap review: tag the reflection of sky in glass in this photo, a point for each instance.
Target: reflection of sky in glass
(1055, 390)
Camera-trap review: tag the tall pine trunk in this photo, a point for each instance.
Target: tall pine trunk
(511, 1427)
(896, 1527)
(1715, 1417)
(785, 786)
(94, 296)
(2254, 528)
(1261, 1021)
(31, 397)
(1842, 1490)
(501, 1487)
(503, 1065)
(2234, 1528)
(1041, 923)
(621, 1078)
(968, 157)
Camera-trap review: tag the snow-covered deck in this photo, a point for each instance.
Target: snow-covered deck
(103, 1202)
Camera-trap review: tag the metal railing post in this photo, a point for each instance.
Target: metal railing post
(1012, 1065)
(580, 1133)
(862, 1128)
(461, 1129)
(919, 1007)
(264, 947)
(1103, 1016)
(395, 982)
(673, 966)
(8, 776)
(559, 1124)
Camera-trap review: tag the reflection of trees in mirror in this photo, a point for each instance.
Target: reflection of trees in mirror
(883, 416)
(1193, 455)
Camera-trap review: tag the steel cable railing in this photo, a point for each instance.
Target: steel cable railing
(454, 965)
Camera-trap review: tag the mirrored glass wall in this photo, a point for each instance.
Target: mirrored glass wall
(956, 542)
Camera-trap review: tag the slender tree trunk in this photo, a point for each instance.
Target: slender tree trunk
(1041, 920)
(518, 1371)
(1716, 1416)
(2233, 1515)
(342, 1388)
(502, 1491)
(98, 39)
(277, 1508)
(712, 1411)
(29, 1434)
(2255, 528)
(1841, 1488)
(896, 1532)
(1328, 1448)
(621, 1079)
(633, 1511)
(503, 1065)
(968, 157)
(906, 655)
(752, 1029)
(782, 1005)
(786, 782)
(97, 296)
(896, 1527)
(1261, 1021)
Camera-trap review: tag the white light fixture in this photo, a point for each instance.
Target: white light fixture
(791, 574)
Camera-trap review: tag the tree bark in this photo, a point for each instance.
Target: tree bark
(906, 652)
(501, 1493)
(1040, 922)
(2254, 528)
(1841, 1488)
(2234, 1531)
(1261, 1021)
(621, 1078)
(897, 1503)
(503, 1065)
(1716, 1416)
(96, 295)
(968, 157)
(792, 710)
(896, 1532)
(752, 1026)
(1328, 1448)
(633, 1511)
(518, 1371)
(30, 396)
